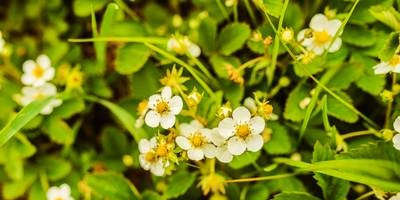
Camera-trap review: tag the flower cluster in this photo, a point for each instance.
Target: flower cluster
(237, 132)
(63, 192)
(35, 78)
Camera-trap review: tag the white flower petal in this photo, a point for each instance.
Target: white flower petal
(153, 142)
(335, 45)
(195, 154)
(194, 50)
(43, 61)
(396, 68)
(172, 43)
(241, 114)
(46, 110)
(175, 105)
(27, 79)
(28, 66)
(254, 142)
(196, 124)
(186, 129)
(65, 189)
(226, 127)
(167, 120)
(236, 146)
(318, 50)
(143, 163)
(318, 22)
(216, 138)
(157, 168)
(301, 34)
(49, 74)
(224, 155)
(166, 93)
(332, 26)
(257, 124)
(153, 100)
(209, 150)
(396, 124)
(183, 142)
(49, 89)
(206, 133)
(144, 146)
(396, 139)
(382, 68)
(152, 119)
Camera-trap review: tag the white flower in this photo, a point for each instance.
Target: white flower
(59, 193)
(152, 156)
(242, 131)
(396, 138)
(393, 65)
(2, 43)
(163, 108)
(37, 73)
(182, 44)
(222, 152)
(30, 94)
(396, 197)
(321, 34)
(196, 140)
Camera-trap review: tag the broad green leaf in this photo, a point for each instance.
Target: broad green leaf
(36, 191)
(293, 111)
(150, 75)
(128, 28)
(179, 183)
(233, 37)
(221, 64)
(131, 58)
(258, 192)
(58, 130)
(22, 118)
(207, 34)
(14, 168)
(386, 15)
(365, 37)
(314, 67)
(151, 195)
(123, 116)
(55, 168)
(391, 45)
(113, 141)
(82, 7)
(234, 92)
(332, 188)
(69, 108)
(339, 111)
(109, 185)
(274, 7)
(155, 15)
(100, 87)
(368, 82)
(15, 189)
(280, 142)
(244, 159)
(294, 196)
(348, 74)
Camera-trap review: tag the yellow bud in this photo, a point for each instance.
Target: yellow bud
(213, 182)
(387, 96)
(305, 102)
(296, 156)
(287, 35)
(387, 134)
(194, 98)
(177, 20)
(284, 81)
(127, 160)
(74, 79)
(224, 111)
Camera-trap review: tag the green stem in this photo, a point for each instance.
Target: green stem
(262, 178)
(222, 9)
(235, 12)
(204, 70)
(390, 104)
(153, 40)
(126, 8)
(185, 65)
(251, 12)
(357, 133)
(366, 195)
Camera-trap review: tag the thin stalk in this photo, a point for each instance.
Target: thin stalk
(204, 70)
(250, 63)
(262, 178)
(390, 104)
(357, 133)
(235, 12)
(251, 12)
(126, 8)
(366, 195)
(153, 40)
(222, 9)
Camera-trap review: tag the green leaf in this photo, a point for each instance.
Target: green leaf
(55, 168)
(390, 47)
(294, 196)
(233, 37)
(220, 64)
(123, 116)
(386, 15)
(119, 189)
(348, 74)
(258, 192)
(82, 7)
(244, 159)
(131, 58)
(36, 191)
(332, 188)
(280, 142)
(69, 108)
(15, 189)
(58, 130)
(365, 37)
(179, 183)
(339, 111)
(274, 7)
(22, 118)
(207, 34)
(113, 141)
(368, 82)
(292, 108)
(150, 75)
(14, 168)
(312, 68)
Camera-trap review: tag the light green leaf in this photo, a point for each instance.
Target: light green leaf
(280, 142)
(338, 110)
(292, 108)
(82, 7)
(207, 34)
(332, 188)
(113, 141)
(244, 159)
(69, 108)
(150, 75)
(179, 183)
(131, 58)
(15, 189)
(55, 168)
(294, 196)
(390, 47)
(386, 15)
(58, 130)
(36, 191)
(233, 37)
(220, 64)
(348, 74)
(119, 189)
(365, 37)
(258, 192)
(22, 118)
(274, 7)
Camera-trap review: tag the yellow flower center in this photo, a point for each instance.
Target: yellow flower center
(321, 37)
(150, 157)
(395, 60)
(243, 130)
(75, 79)
(59, 198)
(197, 139)
(39, 95)
(162, 107)
(38, 71)
(162, 150)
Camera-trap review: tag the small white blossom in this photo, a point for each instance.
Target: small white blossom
(2, 42)
(163, 108)
(182, 44)
(30, 94)
(396, 197)
(37, 73)
(396, 138)
(242, 131)
(321, 35)
(393, 65)
(196, 140)
(63, 192)
(150, 158)
(222, 153)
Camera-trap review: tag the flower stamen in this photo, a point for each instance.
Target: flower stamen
(38, 71)
(197, 139)
(321, 37)
(243, 130)
(162, 107)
